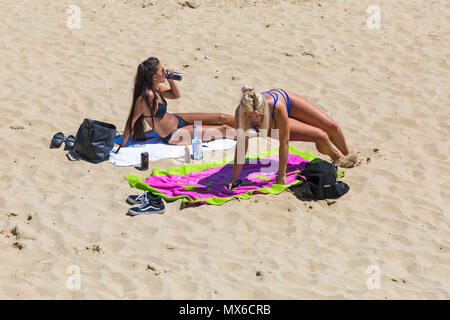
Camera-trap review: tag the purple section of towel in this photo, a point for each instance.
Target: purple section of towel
(213, 182)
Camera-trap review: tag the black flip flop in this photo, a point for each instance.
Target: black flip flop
(70, 141)
(57, 140)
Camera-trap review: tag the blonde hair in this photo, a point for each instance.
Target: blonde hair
(252, 101)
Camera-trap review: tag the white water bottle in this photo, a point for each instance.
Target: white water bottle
(197, 149)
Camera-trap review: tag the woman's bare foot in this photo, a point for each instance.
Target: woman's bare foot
(348, 161)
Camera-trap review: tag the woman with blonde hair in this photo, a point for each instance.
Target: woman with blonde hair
(296, 119)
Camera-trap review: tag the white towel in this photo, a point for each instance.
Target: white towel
(131, 156)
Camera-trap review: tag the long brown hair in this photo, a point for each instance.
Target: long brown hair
(143, 82)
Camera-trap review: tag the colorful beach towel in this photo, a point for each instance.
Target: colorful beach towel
(206, 183)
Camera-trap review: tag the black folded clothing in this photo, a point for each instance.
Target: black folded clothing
(319, 181)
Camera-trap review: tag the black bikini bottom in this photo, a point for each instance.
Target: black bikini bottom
(181, 123)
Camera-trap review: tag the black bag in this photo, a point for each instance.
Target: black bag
(94, 140)
(320, 181)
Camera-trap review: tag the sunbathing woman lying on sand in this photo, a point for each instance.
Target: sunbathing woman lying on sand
(149, 105)
(297, 119)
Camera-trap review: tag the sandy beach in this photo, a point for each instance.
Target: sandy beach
(387, 87)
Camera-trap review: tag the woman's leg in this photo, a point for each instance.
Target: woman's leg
(303, 110)
(207, 118)
(209, 133)
(300, 131)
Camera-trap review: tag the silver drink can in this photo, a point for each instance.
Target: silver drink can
(174, 75)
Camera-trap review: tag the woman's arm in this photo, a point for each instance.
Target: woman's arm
(173, 92)
(237, 165)
(241, 138)
(137, 113)
(282, 120)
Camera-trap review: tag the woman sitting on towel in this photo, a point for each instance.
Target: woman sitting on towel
(149, 104)
(296, 119)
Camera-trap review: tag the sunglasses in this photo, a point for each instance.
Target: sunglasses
(58, 140)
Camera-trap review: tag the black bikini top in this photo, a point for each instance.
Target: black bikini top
(162, 107)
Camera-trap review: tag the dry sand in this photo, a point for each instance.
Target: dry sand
(388, 88)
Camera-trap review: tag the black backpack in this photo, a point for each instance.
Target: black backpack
(94, 140)
(319, 181)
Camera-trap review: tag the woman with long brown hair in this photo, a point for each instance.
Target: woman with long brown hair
(149, 105)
